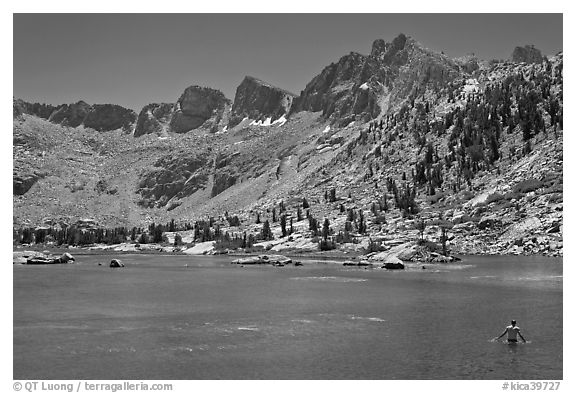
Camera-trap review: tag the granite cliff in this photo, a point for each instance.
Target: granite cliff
(258, 100)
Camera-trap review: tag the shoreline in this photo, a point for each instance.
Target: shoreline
(306, 255)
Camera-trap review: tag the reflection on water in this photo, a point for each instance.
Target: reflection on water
(158, 319)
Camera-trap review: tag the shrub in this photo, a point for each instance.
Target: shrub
(375, 246)
(379, 219)
(233, 221)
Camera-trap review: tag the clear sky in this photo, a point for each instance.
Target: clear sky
(136, 59)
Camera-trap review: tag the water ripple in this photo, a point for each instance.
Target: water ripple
(329, 279)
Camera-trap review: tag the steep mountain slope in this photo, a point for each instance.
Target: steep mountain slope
(403, 134)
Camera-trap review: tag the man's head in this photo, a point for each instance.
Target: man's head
(513, 322)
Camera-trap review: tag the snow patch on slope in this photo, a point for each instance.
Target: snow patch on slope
(280, 121)
(268, 122)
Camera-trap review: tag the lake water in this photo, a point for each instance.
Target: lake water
(158, 319)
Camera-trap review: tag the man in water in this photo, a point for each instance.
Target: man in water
(513, 332)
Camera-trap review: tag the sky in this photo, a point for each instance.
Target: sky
(136, 59)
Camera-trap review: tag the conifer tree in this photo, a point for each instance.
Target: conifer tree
(332, 196)
(326, 229)
(361, 222)
(283, 225)
(266, 233)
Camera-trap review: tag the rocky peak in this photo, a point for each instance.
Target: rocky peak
(468, 63)
(527, 54)
(101, 117)
(333, 83)
(379, 46)
(154, 119)
(393, 54)
(259, 100)
(20, 107)
(108, 117)
(197, 105)
(71, 115)
(363, 87)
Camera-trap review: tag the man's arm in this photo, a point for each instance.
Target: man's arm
(520, 334)
(503, 333)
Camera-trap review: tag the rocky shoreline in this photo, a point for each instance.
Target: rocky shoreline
(410, 252)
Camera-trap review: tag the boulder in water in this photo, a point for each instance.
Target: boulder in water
(393, 263)
(116, 263)
(46, 260)
(67, 258)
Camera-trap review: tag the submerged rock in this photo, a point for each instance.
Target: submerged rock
(255, 260)
(276, 260)
(361, 263)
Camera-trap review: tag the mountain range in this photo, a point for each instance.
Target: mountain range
(402, 134)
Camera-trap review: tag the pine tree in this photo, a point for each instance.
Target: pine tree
(143, 238)
(326, 229)
(266, 233)
(351, 216)
(157, 234)
(313, 225)
(361, 223)
(332, 197)
(420, 225)
(283, 224)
